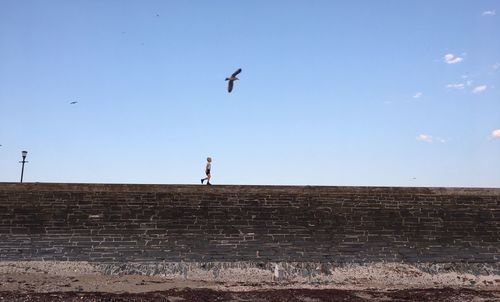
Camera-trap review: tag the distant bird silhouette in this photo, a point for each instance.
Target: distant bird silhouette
(231, 80)
(72, 103)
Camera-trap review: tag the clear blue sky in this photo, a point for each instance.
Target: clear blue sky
(391, 93)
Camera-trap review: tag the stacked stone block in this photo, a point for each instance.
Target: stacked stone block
(175, 223)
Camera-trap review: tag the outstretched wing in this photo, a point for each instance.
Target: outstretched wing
(230, 86)
(236, 73)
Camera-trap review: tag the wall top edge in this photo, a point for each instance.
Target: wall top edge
(156, 188)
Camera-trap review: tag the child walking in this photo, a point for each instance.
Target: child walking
(207, 171)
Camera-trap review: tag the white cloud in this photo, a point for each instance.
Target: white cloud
(469, 82)
(418, 95)
(489, 13)
(496, 66)
(452, 59)
(424, 138)
(479, 89)
(495, 133)
(456, 86)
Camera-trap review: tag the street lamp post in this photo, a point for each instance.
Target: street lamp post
(24, 153)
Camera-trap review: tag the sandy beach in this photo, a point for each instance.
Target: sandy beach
(81, 281)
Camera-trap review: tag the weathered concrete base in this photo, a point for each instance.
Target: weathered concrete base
(287, 271)
(250, 275)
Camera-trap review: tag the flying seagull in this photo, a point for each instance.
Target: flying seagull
(231, 80)
(74, 102)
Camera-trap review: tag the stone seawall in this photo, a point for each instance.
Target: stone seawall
(180, 223)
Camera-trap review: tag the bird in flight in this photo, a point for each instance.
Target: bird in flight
(231, 80)
(74, 102)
